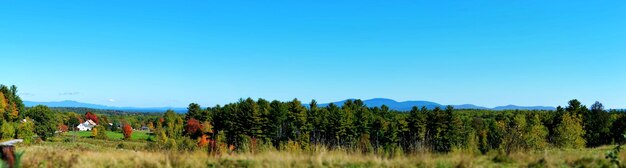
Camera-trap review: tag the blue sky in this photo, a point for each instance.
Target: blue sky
(169, 53)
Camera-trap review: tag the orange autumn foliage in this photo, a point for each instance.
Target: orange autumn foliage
(127, 130)
(203, 141)
(63, 128)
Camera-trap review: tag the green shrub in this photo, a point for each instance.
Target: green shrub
(171, 144)
(8, 130)
(187, 144)
(25, 131)
(99, 132)
(590, 162)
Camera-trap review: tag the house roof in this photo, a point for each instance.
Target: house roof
(91, 122)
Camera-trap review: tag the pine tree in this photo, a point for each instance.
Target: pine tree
(597, 126)
(417, 126)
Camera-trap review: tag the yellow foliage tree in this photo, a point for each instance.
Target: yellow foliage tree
(94, 132)
(14, 112)
(570, 132)
(3, 103)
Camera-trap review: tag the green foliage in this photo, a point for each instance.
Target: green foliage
(187, 144)
(618, 128)
(536, 134)
(439, 126)
(173, 124)
(11, 105)
(196, 112)
(7, 130)
(44, 120)
(613, 155)
(25, 131)
(298, 127)
(597, 125)
(253, 126)
(570, 132)
(417, 128)
(99, 132)
(513, 131)
(590, 162)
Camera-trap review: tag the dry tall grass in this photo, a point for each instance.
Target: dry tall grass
(96, 153)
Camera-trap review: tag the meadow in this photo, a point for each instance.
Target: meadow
(83, 151)
(136, 135)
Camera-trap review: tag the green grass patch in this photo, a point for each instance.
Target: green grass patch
(137, 135)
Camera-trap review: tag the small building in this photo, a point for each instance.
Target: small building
(145, 128)
(86, 126)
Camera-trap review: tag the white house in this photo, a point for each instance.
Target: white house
(86, 126)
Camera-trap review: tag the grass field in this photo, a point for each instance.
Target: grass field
(137, 135)
(89, 152)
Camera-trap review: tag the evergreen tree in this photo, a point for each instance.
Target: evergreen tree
(438, 127)
(298, 125)
(417, 126)
(278, 122)
(597, 126)
(195, 111)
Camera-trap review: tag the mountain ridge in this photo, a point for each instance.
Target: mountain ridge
(375, 102)
(407, 105)
(72, 103)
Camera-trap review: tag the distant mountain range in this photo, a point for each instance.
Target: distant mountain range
(377, 102)
(407, 105)
(70, 103)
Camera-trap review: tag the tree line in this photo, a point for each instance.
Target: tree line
(250, 125)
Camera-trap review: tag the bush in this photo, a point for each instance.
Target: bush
(63, 128)
(590, 162)
(8, 131)
(171, 144)
(99, 132)
(187, 144)
(203, 141)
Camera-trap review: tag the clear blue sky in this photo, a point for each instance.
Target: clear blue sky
(169, 53)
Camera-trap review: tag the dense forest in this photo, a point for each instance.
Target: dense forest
(249, 124)
(256, 125)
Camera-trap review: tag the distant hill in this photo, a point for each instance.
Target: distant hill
(392, 104)
(514, 107)
(70, 103)
(407, 105)
(377, 102)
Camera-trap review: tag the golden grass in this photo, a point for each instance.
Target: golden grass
(90, 154)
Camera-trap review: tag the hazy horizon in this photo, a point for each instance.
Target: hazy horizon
(215, 52)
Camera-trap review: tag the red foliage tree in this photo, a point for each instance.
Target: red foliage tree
(92, 117)
(63, 128)
(127, 130)
(193, 128)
